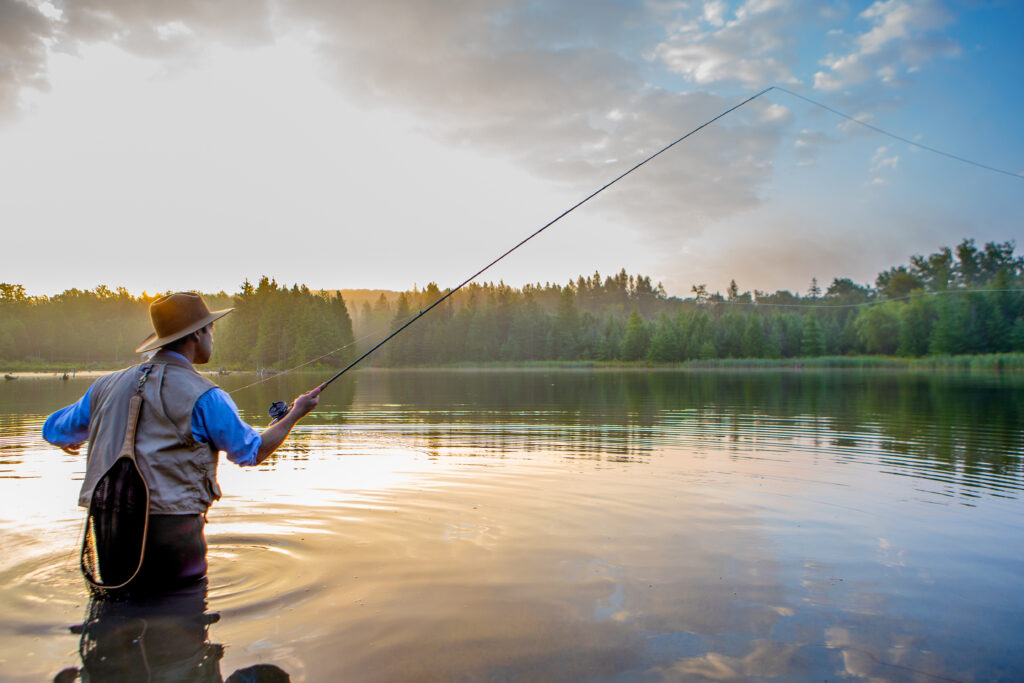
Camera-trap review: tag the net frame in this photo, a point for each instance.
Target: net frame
(123, 484)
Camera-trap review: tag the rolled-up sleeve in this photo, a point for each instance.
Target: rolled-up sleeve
(69, 425)
(215, 420)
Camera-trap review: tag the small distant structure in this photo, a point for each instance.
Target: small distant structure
(9, 376)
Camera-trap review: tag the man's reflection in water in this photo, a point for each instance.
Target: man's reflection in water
(158, 638)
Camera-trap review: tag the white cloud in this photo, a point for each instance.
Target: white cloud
(754, 48)
(544, 87)
(714, 12)
(547, 90)
(880, 161)
(826, 81)
(901, 39)
(751, 7)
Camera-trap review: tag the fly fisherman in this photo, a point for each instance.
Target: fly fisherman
(184, 422)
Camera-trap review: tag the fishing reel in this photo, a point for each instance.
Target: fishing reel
(277, 410)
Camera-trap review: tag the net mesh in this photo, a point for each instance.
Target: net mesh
(115, 529)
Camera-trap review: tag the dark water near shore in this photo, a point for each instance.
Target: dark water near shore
(564, 525)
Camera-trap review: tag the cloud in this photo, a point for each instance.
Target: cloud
(900, 40)
(754, 48)
(714, 12)
(544, 85)
(880, 161)
(161, 29)
(25, 32)
(566, 94)
(547, 87)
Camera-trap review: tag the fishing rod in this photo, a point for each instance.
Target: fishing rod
(279, 409)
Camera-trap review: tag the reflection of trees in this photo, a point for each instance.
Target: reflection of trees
(961, 429)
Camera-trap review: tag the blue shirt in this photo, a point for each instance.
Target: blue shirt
(215, 420)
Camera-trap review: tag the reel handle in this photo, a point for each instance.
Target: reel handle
(277, 410)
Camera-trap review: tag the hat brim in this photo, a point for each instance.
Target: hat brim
(154, 342)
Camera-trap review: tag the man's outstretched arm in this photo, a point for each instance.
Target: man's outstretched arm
(68, 428)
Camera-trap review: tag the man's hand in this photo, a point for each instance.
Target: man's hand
(304, 403)
(274, 435)
(72, 449)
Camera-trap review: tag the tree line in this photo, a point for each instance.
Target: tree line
(962, 300)
(272, 326)
(966, 300)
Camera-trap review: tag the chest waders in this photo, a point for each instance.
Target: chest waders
(114, 542)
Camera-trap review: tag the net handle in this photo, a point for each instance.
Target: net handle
(128, 445)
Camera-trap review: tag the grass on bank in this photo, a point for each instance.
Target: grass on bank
(983, 362)
(996, 361)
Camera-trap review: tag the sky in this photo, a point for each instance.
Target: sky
(191, 145)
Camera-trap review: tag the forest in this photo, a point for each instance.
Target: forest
(961, 300)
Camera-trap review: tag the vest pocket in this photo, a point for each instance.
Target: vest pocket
(212, 487)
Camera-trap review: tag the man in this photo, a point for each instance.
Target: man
(185, 421)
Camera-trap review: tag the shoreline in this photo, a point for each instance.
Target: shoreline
(1000, 362)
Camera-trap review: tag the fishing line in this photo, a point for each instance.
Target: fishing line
(754, 304)
(374, 333)
(542, 229)
(1018, 176)
(623, 175)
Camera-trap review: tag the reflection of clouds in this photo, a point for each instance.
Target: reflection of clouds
(877, 655)
(824, 587)
(768, 659)
(889, 557)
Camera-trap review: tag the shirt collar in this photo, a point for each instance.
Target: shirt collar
(168, 352)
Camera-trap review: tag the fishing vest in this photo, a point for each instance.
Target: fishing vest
(181, 472)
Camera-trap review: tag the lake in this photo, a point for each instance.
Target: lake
(591, 525)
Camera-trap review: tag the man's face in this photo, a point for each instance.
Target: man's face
(205, 349)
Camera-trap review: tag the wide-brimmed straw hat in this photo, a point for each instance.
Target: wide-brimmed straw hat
(177, 315)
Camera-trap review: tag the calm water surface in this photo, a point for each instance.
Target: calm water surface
(569, 525)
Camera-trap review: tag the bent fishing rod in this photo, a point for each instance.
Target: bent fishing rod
(279, 409)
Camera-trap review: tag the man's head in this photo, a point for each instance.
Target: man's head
(182, 321)
(196, 346)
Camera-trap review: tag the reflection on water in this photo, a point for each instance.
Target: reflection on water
(163, 638)
(570, 525)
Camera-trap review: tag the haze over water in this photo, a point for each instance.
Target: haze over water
(565, 525)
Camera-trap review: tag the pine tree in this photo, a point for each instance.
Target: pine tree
(754, 338)
(665, 345)
(733, 292)
(636, 339)
(812, 343)
(950, 325)
(1017, 335)
(567, 324)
